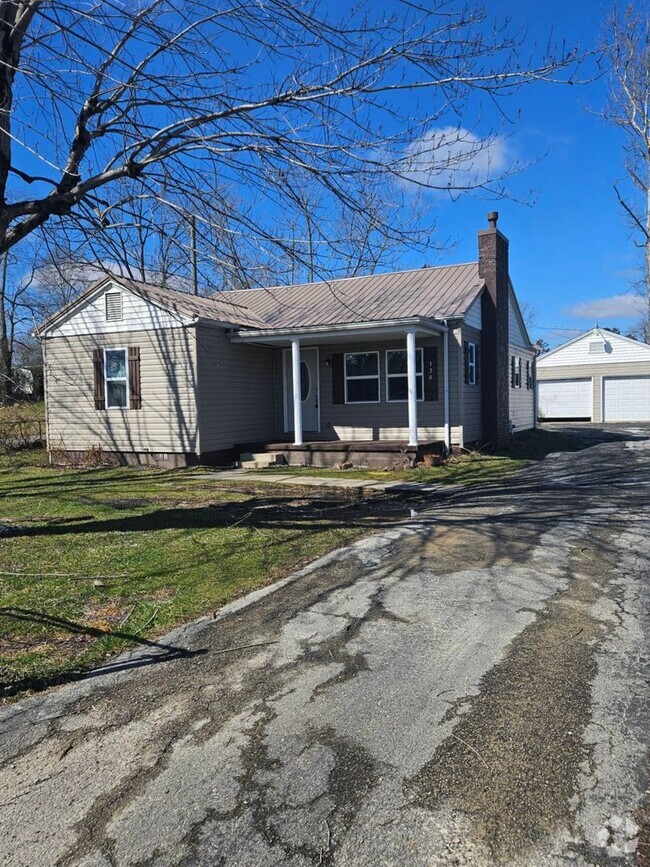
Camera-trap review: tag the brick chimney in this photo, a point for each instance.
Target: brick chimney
(493, 268)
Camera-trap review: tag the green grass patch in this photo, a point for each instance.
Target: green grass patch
(467, 469)
(95, 561)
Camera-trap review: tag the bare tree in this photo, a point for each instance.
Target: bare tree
(628, 51)
(171, 92)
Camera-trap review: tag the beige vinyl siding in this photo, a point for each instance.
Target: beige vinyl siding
(137, 315)
(595, 372)
(516, 328)
(167, 421)
(471, 394)
(383, 420)
(236, 391)
(522, 400)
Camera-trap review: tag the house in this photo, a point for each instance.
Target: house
(365, 369)
(598, 376)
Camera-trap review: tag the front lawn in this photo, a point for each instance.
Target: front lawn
(94, 561)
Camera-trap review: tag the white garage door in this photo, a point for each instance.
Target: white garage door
(565, 398)
(626, 398)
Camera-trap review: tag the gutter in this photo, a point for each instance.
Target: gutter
(352, 328)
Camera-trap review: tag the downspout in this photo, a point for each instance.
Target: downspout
(445, 386)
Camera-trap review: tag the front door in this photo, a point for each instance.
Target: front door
(309, 391)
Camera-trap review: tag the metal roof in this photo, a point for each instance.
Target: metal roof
(445, 292)
(220, 307)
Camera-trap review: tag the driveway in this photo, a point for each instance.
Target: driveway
(463, 689)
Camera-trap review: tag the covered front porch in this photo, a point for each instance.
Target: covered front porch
(373, 394)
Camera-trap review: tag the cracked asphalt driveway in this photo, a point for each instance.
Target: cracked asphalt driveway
(468, 688)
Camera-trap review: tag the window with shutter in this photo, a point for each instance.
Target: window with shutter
(113, 301)
(135, 394)
(397, 376)
(115, 368)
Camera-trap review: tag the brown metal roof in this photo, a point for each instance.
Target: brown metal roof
(436, 293)
(220, 307)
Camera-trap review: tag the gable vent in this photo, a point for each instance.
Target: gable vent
(596, 347)
(113, 306)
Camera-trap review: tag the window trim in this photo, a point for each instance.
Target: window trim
(127, 402)
(472, 378)
(376, 376)
(419, 350)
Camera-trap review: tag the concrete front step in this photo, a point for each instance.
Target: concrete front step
(261, 460)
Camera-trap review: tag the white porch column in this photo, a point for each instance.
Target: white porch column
(297, 402)
(412, 387)
(445, 387)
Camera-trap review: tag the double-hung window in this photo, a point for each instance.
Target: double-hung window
(397, 375)
(116, 378)
(515, 371)
(362, 377)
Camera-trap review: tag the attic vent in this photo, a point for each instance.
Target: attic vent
(596, 347)
(113, 306)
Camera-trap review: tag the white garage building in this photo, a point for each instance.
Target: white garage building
(598, 376)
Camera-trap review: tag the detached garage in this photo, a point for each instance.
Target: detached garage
(598, 376)
(566, 399)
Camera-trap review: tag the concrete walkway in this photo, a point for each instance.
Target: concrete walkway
(362, 485)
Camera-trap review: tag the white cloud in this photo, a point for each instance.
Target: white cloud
(625, 306)
(453, 158)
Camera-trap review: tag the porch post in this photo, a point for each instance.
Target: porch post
(445, 380)
(412, 387)
(297, 402)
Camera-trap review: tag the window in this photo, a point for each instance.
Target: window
(116, 378)
(397, 377)
(305, 381)
(113, 302)
(529, 374)
(515, 371)
(362, 377)
(472, 378)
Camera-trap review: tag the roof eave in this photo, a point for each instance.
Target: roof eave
(279, 335)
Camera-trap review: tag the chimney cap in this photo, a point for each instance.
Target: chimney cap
(493, 216)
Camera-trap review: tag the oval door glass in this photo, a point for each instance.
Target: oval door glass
(305, 381)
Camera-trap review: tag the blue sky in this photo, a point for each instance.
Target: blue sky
(571, 252)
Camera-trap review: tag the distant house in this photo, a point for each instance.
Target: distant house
(365, 369)
(598, 376)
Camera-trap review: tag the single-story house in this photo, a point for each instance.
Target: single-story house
(599, 376)
(365, 369)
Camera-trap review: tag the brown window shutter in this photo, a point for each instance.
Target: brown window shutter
(430, 361)
(135, 392)
(338, 385)
(466, 362)
(98, 365)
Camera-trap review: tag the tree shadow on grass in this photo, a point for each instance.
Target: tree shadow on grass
(158, 651)
(277, 513)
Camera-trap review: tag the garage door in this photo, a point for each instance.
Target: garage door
(626, 398)
(565, 398)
